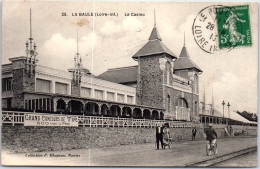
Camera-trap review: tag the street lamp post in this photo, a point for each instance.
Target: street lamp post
(223, 104)
(228, 105)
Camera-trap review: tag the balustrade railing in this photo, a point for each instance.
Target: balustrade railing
(12, 118)
(182, 113)
(234, 126)
(17, 118)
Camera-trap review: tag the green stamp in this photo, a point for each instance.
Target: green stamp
(233, 26)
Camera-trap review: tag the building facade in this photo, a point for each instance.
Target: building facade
(160, 86)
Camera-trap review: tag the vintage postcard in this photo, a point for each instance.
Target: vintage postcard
(129, 84)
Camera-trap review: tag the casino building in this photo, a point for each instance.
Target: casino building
(161, 86)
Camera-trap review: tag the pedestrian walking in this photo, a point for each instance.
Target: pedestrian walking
(194, 132)
(159, 136)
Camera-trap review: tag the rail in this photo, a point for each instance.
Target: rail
(211, 162)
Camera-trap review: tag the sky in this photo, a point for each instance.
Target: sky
(111, 41)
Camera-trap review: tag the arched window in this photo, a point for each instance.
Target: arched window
(168, 77)
(168, 71)
(168, 103)
(182, 103)
(196, 84)
(196, 108)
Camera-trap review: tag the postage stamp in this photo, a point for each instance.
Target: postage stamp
(233, 26)
(218, 28)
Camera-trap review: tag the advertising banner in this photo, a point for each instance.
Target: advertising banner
(50, 120)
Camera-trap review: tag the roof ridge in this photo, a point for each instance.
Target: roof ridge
(118, 68)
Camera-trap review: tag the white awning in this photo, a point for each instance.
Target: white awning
(235, 116)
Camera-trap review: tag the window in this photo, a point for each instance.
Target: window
(98, 94)
(168, 71)
(120, 97)
(110, 96)
(85, 92)
(168, 103)
(182, 103)
(130, 99)
(61, 88)
(168, 77)
(196, 108)
(196, 84)
(43, 86)
(7, 84)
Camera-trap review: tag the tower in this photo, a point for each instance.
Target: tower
(203, 102)
(186, 68)
(204, 99)
(31, 52)
(212, 104)
(152, 59)
(23, 69)
(77, 72)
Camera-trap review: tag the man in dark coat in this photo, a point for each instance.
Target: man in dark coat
(159, 136)
(194, 131)
(211, 134)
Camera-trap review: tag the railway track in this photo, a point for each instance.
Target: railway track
(218, 159)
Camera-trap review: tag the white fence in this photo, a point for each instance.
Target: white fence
(17, 118)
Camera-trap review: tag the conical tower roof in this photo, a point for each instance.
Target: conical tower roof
(155, 35)
(184, 61)
(154, 46)
(184, 52)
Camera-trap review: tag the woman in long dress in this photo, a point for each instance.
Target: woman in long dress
(166, 135)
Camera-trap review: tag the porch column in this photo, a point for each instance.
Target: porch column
(46, 104)
(142, 113)
(42, 104)
(99, 109)
(67, 104)
(120, 113)
(160, 115)
(108, 109)
(84, 103)
(49, 108)
(132, 111)
(55, 104)
(31, 105)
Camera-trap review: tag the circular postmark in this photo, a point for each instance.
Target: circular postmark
(209, 36)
